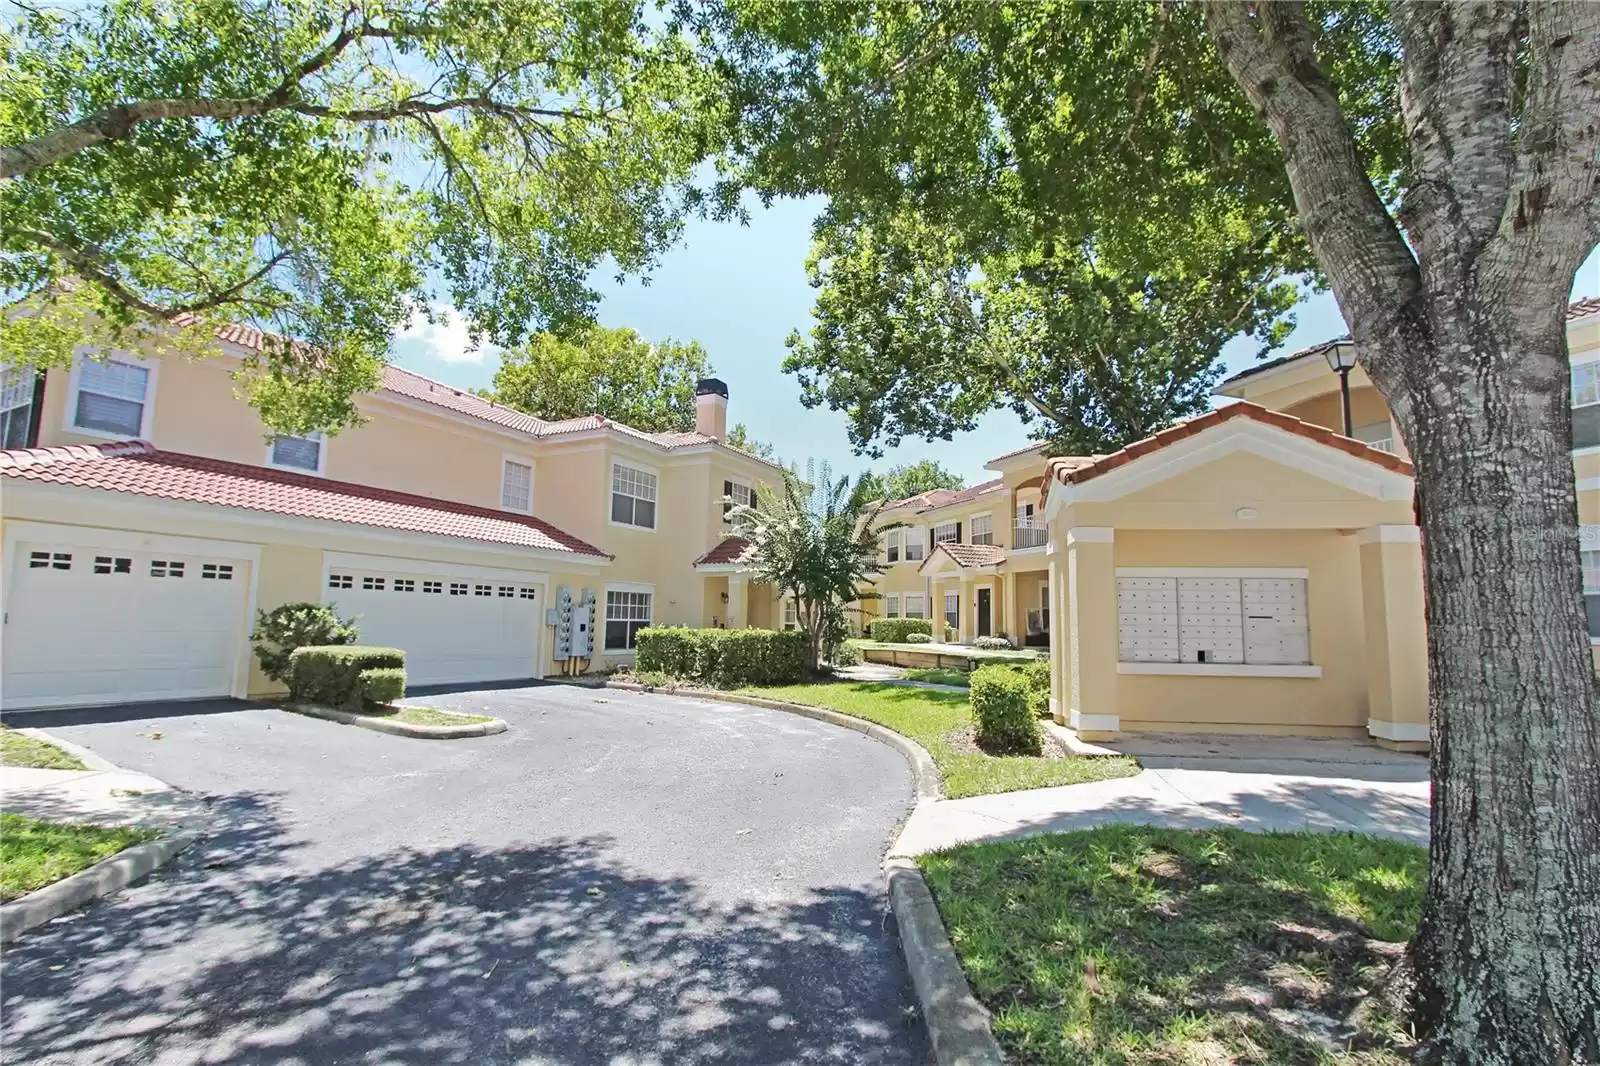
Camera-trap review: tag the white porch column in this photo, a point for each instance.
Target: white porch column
(737, 592)
(1011, 621)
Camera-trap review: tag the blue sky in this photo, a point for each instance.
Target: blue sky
(739, 291)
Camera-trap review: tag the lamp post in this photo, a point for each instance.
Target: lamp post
(1342, 359)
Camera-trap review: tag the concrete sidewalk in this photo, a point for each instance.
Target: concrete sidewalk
(104, 794)
(1364, 802)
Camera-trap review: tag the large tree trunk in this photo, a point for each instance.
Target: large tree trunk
(1460, 323)
(1508, 956)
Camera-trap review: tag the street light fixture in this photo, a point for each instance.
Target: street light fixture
(1342, 359)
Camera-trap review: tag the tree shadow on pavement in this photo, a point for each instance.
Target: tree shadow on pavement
(549, 952)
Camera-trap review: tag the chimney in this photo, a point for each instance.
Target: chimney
(711, 408)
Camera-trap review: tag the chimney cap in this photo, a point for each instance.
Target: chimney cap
(711, 387)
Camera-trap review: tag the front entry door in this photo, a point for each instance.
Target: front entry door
(985, 612)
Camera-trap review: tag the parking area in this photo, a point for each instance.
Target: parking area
(619, 879)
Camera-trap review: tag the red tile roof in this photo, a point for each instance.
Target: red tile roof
(136, 467)
(936, 498)
(1075, 471)
(968, 556)
(1589, 305)
(729, 550)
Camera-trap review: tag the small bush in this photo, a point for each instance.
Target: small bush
(897, 630)
(1037, 675)
(918, 638)
(726, 658)
(993, 644)
(1006, 725)
(346, 676)
(296, 625)
(845, 655)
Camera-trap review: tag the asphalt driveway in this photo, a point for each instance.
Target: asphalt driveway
(619, 879)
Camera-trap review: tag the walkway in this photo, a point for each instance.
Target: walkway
(1259, 784)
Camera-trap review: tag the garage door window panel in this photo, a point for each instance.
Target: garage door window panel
(1221, 620)
(626, 614)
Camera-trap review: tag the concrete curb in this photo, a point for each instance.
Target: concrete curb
(930, 785)
(95, 763)
(86, 886)
(402, 729)
(958, 1025)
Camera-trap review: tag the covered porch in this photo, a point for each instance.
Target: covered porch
(733, 598)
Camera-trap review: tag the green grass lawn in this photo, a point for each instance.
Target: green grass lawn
(18, 750)
(1134, 946)
(34, 853)
(425, 716)
(936, 720)
(942, 676)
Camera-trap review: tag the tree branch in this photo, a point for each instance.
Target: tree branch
(1268, 50)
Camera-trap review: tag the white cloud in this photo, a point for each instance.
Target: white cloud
(445, 339)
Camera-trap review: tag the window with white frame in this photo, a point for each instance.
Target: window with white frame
(914, 605)
(952, 610)
(982, 529)
(1024, 516)
(516, 486)
(627, 612)
(734, 495)
(1586, 404)
(891, 606)
(1222, 619)
(947, 532)
(633, 497)
(914, 545)
(296, 453)
(791, 616)
(891, 545)
(111, 397)
(1591, 591)
(17, 384)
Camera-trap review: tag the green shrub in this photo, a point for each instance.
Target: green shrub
(296, 625)
(896, 630)
(726, 658)
(999, 698)
(346, 676)
(993, 644)
(1037, 675)
(845, 655)
(918, 638)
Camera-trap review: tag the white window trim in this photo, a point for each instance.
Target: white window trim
(918, 534)
(620, 586)
(1222, 669)
(972, 518)
(934, 531)
(922, 601)
(69, 417)
(891, 605)
(322, 455)
(894, 538)
(533, 470)
(611, 475)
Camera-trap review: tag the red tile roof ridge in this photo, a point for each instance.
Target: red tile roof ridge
(1060, 470)
(727, 550)
(22, 458)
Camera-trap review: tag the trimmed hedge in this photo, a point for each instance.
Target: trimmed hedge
(993, 644)
(725, 658)
(896, 630)
(346, 676)
(1037, 675)
(1006, 725)
(281, 630)
(918, 638)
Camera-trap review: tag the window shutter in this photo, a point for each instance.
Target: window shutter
(958, 532)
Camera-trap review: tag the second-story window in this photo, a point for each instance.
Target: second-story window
(891, 545)
(516, 486)
(734, 495)
(946, 532)
(17, 385)
(914, 552)
(297, 453)
(982, 529)
(111, 398)
(1586, 404)
(633, 497)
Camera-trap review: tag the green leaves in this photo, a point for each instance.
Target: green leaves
(323, 173)
(613, 373)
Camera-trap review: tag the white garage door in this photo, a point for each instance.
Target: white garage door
(454, 628)
(108, 625)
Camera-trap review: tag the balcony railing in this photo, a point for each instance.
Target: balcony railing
(1029, 536)
(1384, 445)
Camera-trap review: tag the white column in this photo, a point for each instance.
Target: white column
(736, 601)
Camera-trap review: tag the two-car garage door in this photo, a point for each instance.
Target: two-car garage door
(118, 624)
(455, 625)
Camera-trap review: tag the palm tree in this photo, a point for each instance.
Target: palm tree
(816, 540)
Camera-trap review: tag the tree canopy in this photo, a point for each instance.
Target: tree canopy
(325, 172)
(909, 479)
(614, 373)
(739, 437)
